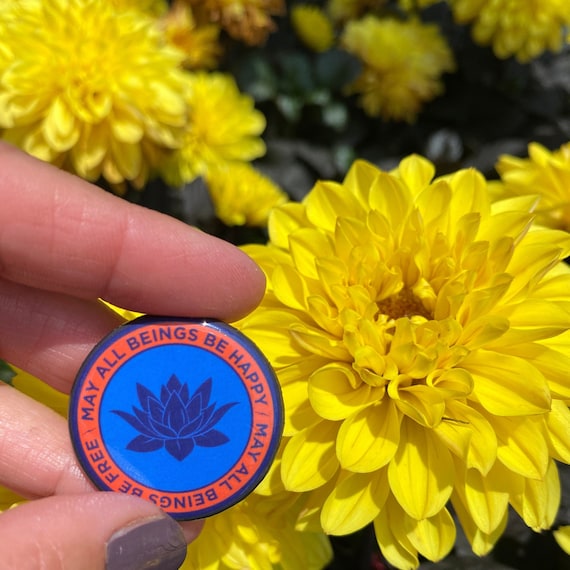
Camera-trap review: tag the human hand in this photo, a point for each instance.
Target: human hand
(63, 244)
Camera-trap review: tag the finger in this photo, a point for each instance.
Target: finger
(91, 532)
(65, 235)
(36, 456)
(50, 334)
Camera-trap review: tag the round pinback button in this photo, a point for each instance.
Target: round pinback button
(185, 413)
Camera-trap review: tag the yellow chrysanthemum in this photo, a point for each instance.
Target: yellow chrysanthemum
(242, 195)
(523, 28)
(89, 87)
(152, 7)
(246, 20)
(312, 27)
(403, 63)
(545, 173)
(421, 337)
(410, 5)
(344, 10)
(223, 126)
(244, 538)
(199, 43)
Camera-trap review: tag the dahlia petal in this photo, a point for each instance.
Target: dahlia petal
(522, 444)
(558, 432)
(421, 472)
(309, 458)
(305, 246)
(290, 287)
(335, 392)
(538, 313)
(433, 537)
(532, 261)
(325, 200)
(452, 383)
(433, 204)
(310, 517)
(324, 314)
(417, 172)
(482, 331)
(469, 194)
(507, 385)
(318, 342)
(392, 539)
(359, 179)
(554, 364)
(481, 542)
(270, 329)
(513, 224)
(283, 221)
(562, 536)
(368, 439)
(391, 197)
(525, 203)
(468, 435)
(487, 497)
(423, 404)
(355, 501)
(300, 413)
(538, 504)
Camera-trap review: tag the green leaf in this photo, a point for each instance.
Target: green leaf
(7, 373)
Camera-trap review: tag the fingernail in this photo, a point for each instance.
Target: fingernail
(157, 544)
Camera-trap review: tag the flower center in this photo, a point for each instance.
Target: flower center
(403, 304)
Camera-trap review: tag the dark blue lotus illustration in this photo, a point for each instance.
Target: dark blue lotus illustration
(176, 420)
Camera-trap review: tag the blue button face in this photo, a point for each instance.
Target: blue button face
(185, 413)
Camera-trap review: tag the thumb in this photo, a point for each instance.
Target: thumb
(90, 532)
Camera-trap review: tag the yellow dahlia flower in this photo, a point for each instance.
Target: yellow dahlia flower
(545, 173)
(223, 126)
(403, 62)
(421, 337)
(246, 20)
(312, 27)
(523, 28)
(89, 87)
(199, 43)
(242, 195)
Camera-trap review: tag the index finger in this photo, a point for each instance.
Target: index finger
(62, 234)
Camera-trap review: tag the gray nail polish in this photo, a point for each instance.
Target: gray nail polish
(158, 544)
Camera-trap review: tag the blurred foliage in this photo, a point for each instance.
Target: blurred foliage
(6, 373)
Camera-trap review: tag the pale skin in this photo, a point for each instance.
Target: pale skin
(63, 244)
